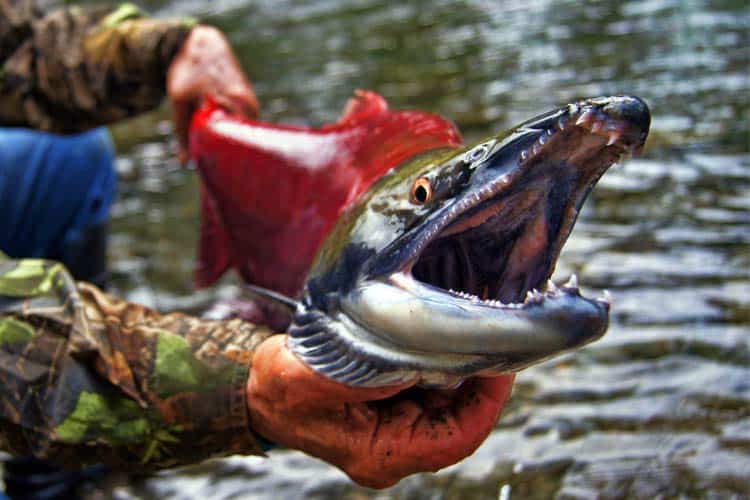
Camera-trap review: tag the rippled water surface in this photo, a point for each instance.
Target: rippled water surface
(661, 406)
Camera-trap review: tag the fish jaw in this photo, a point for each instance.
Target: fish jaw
(447, 341)
(543, 324)
(463, 289)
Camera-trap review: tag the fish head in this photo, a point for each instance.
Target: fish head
(441, 270)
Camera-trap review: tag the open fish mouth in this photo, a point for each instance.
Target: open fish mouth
(501, 243)
(466, 291)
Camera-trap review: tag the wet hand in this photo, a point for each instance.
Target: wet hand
(205, 66)
(376, 435)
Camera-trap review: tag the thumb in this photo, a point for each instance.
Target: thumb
(248, 103)
(283, 372)
(241, 102)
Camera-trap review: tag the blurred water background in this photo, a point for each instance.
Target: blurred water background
(661, 406)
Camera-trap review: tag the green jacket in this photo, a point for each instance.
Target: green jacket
(88, 378)
(70, 70)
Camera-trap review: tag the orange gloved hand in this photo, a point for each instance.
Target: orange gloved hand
(376, 435)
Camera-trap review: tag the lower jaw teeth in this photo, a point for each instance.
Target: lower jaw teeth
(535, 296)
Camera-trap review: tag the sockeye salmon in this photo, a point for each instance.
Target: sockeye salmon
(439, 269)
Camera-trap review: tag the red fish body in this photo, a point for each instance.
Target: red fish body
(271, 193)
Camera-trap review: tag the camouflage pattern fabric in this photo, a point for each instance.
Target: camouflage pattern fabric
(87, 378)
(71, 69)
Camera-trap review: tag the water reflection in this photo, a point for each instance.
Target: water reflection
(660, 406)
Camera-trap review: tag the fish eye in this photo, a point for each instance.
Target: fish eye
(476, 154)
(421, 191)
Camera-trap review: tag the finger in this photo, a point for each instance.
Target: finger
(436, 398)
(443, 435)
(491, 390)
(247, 102)
(479, 407)
(380, 456)
(240, 101)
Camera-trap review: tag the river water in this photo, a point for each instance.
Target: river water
(661, 406)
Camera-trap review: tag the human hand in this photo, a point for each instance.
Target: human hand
(204, 66)
(376, 435)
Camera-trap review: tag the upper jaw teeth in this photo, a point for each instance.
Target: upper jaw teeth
(589, 118)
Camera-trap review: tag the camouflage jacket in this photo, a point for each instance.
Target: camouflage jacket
(88, 378)
(70, 69)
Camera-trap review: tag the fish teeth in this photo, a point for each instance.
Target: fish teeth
(613, 138)
(477, 299)
(534, 297)
(586, 118)
(572, 284)
(551, 287)
(464, 295)
(606, 298)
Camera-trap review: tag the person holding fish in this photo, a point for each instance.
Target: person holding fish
(63, 72)
(88, 378)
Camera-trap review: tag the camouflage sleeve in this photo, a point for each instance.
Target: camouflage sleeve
(74, 69)
(88, 378)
